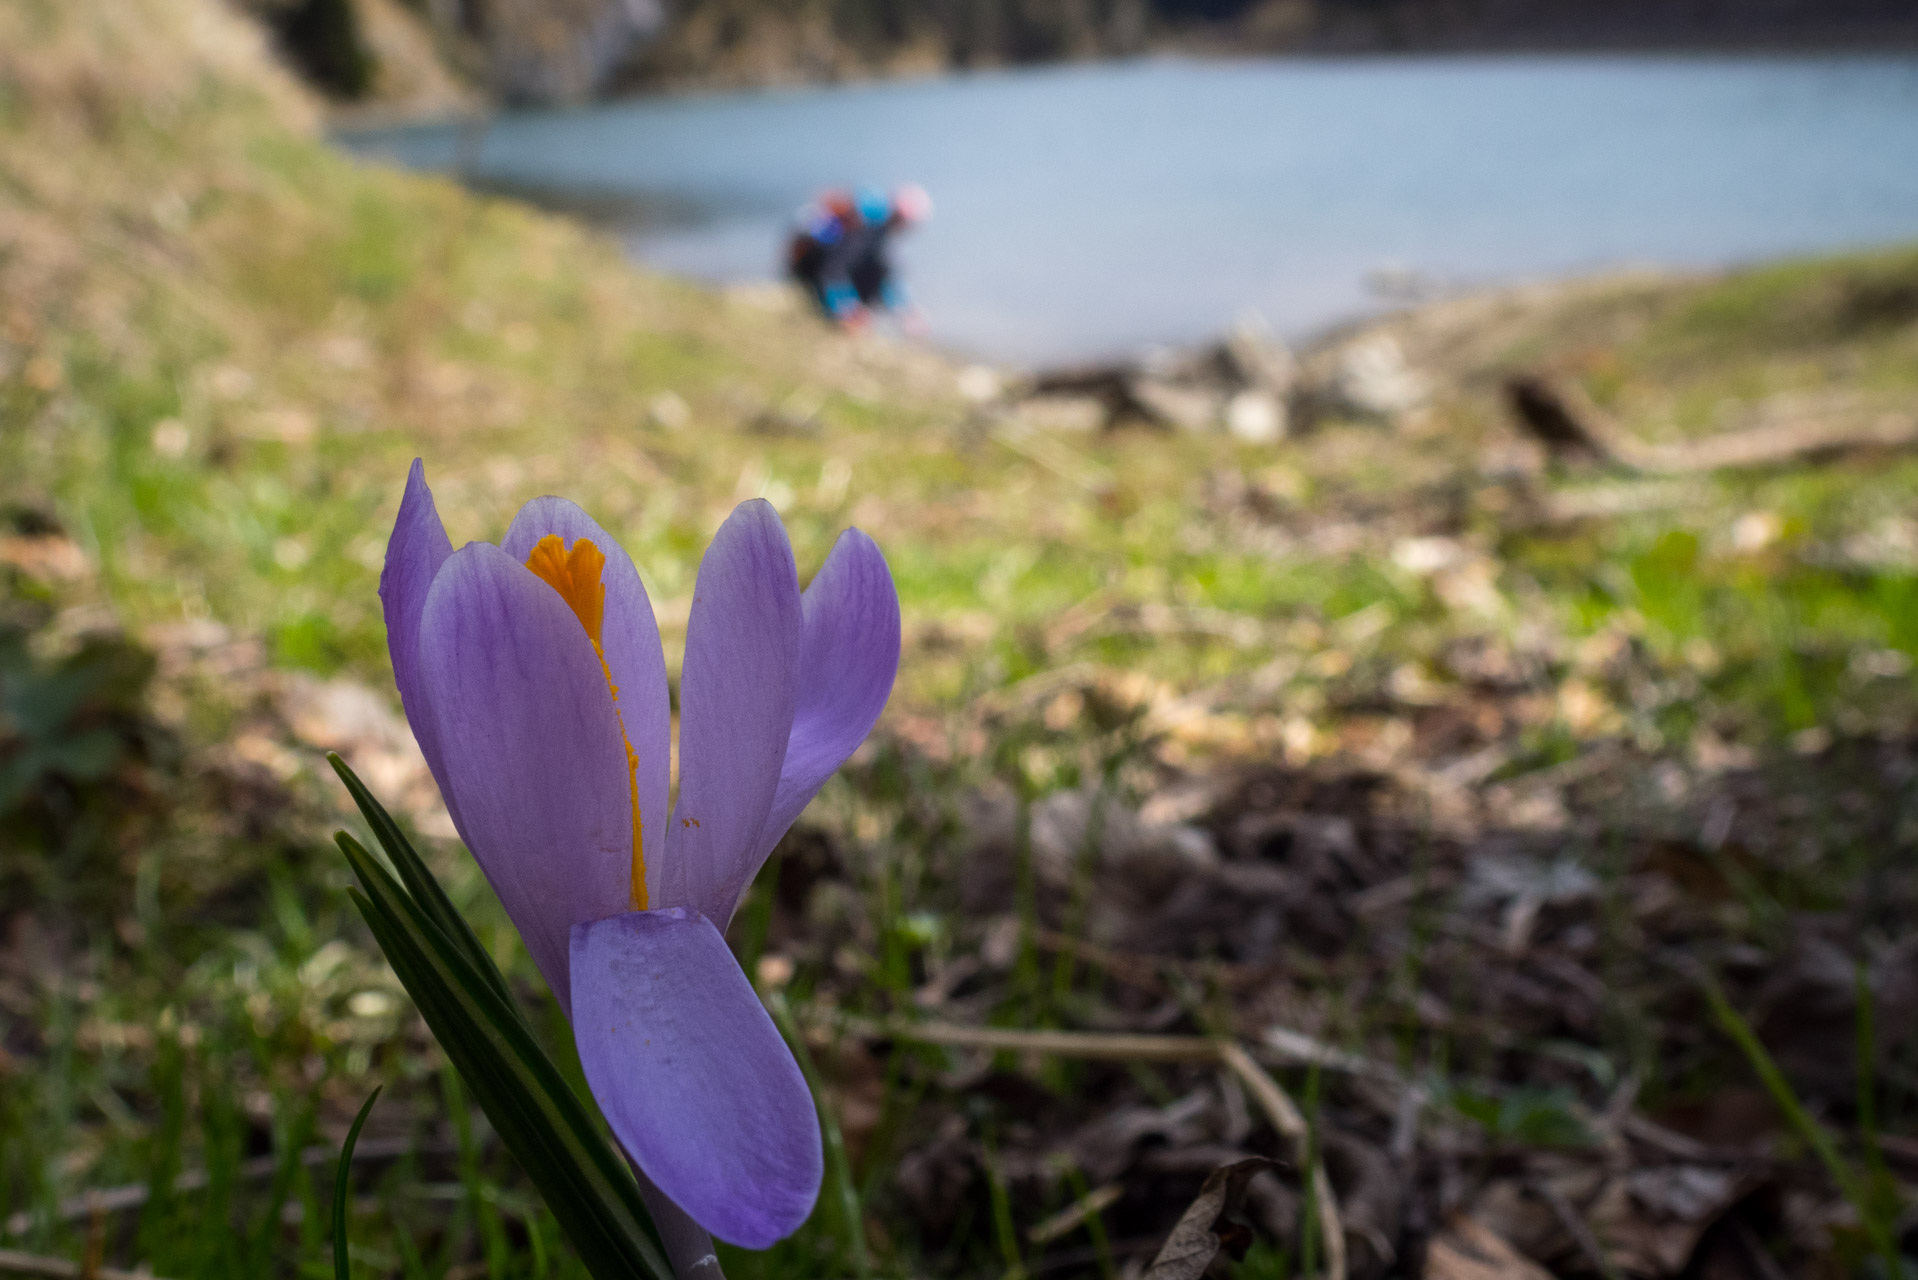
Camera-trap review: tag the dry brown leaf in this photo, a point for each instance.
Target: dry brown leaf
(1195, 1241)
(1469, 1250)
(1651, 1219)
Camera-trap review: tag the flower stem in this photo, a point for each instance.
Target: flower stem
(688, 1247)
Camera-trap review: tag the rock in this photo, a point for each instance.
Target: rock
(171, 439)
(1172, 404)
(1064, 413)
(550, 51)
(410, 76)
(1428, 555)
(1374, 380)
(1061, 823)
(1256, 417)
(1466, 1249)
(1259, 359)
(979, 384)
(323, 40)
(669, 409)
(363, 725)
(51, 557)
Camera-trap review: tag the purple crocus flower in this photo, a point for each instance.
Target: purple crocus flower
(532, 675)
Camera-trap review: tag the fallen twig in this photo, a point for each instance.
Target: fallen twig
(1284, 1115)
(13, 1262)
(1062, 460)
(1290, 1047)
(1562, 417)
(134, 1195)
(1111, 1046)
(1575, 1226)
(1278, 1045)
(1297, 1048)
(1074, 1215)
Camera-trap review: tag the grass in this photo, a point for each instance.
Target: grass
(220, 345)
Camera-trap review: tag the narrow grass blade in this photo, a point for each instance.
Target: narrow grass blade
(343, 1188)
(543, 1122)
(290, 1139)
(419, 881)
(1814, 1134)
(850, 1213)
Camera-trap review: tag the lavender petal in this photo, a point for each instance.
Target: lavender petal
(531, 749)
(692, 1075)
(848, 658)
(630, 639)
(736, 701)
(414, 554)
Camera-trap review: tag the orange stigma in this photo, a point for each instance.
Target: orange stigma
(578, 574)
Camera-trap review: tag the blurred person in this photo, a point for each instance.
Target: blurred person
(840, 251)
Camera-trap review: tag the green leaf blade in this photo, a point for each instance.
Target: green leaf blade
(543, 1122)
(343, 1188)
(418, 878)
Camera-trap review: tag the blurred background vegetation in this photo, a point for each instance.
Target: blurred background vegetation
(559, 50)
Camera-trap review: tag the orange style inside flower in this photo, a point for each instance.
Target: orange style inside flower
(578, 574)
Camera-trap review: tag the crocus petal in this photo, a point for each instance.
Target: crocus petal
(531, 749)
(692, 1075)
(735, 709)
(848, 656)
(414, 554)
(630, 638)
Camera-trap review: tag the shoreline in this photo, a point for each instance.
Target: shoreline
(600, 212)
(372, 115)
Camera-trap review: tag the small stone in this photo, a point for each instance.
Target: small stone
(1261, 360)
(669, 410)
(171, 438)
(290, 554)
(1187, 408)
(1374, 378)
(1256, 417)
(979, 383)
(1064, 413)
(773, 971)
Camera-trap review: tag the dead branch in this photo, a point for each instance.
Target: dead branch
(1288, 1046)
(1467, 1249)
(1575, 1226)
(1560, 417)
(1284, 1115)
(1062, 460)
(1115, 1047)
(13, 1262)
(1278, 1045)
(132, 1196)
(1115, 386)
(1074, 1215)
(1559, 414)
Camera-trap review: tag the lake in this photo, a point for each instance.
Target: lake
(1090, 210)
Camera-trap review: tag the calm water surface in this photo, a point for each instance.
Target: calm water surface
(1093, 210)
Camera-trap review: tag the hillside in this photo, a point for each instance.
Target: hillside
(393, 52)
